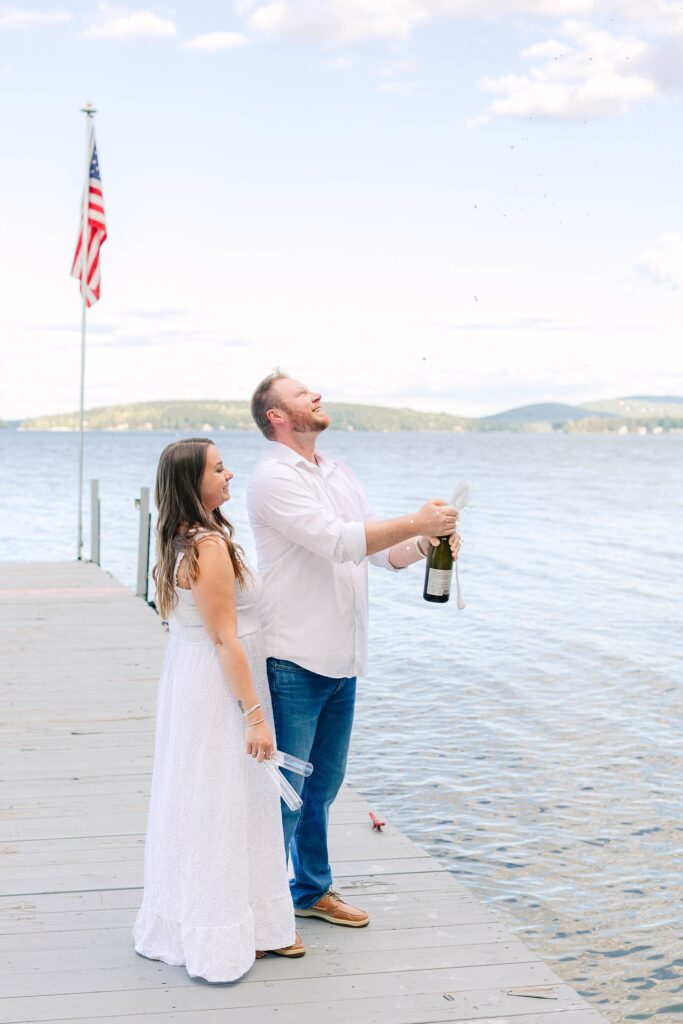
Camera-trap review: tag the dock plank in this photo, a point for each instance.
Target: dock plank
(405, 1010)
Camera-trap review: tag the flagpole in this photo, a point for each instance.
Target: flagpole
(89, 112)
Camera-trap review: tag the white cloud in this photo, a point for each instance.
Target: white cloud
(353, 21)
(503, 8)
(396, 79)
(550, 48)
(400, 68)
(123, 26)
(13, 17)
(212, 42)
(399, 88)
(664, 263)
(341, 63)
(338, 21)
(655, 15)
(581, 71)
(595, 74)
(664, 64)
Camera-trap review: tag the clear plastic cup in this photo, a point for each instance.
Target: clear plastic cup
(291, 763)
(287, 792)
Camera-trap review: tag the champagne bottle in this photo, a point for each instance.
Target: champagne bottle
(438, 572)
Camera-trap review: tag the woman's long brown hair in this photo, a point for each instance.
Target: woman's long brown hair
(181, 514)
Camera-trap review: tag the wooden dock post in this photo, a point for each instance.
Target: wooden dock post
(95, 521)
(144, 531)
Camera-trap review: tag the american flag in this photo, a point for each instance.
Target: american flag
(97, 233)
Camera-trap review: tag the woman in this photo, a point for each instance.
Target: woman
(216, 889)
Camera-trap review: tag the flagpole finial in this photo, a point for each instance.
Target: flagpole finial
(88, 109)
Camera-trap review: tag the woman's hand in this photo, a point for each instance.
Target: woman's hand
(259, 741)
(455, 542)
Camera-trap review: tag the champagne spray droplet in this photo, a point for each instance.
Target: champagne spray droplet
(461, 495)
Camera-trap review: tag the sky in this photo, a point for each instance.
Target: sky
(457, 205)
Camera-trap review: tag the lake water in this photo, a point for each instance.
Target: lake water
(532, 741)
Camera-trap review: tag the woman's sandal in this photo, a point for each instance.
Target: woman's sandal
(297, 949)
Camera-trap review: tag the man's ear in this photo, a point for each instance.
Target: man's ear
(276, 416)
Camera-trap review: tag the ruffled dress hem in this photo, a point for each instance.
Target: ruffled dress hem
(205, 952)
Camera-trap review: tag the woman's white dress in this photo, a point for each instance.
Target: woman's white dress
(216, 885)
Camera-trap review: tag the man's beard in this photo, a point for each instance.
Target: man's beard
(307, 422)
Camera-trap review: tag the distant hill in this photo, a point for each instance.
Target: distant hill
(618, 415)
(548, 412)
(205, 417)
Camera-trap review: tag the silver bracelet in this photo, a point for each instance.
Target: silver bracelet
(249, 724)
(249, 712)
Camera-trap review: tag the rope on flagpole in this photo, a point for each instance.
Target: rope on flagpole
(89, 112)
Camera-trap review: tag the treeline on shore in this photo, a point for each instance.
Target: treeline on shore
(207, 416)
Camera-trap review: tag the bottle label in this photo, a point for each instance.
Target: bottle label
(439, 582)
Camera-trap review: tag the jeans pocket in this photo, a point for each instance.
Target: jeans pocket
(279, 672)
(280, 667)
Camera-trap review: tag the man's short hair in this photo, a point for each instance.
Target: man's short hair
(262, 401)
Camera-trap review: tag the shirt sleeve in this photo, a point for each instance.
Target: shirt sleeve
(280, 498)
(380, 558)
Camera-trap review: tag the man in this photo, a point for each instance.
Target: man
(315, 533)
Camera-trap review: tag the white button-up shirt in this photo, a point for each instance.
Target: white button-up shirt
(308, 521)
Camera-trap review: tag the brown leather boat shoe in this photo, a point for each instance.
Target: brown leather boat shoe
(331, 907)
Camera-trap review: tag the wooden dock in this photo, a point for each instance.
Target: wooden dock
(80, 657)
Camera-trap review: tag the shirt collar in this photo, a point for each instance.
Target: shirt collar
(283, 453)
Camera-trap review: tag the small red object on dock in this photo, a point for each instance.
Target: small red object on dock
(376, 824)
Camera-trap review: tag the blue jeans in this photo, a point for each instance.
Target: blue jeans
(313, 718)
